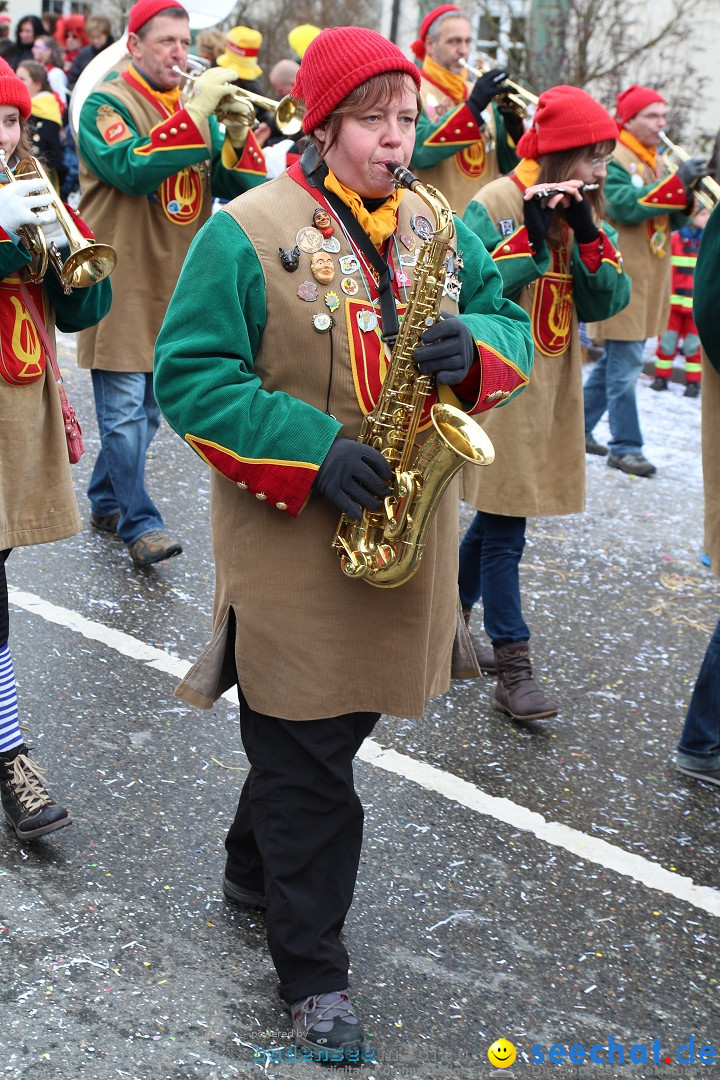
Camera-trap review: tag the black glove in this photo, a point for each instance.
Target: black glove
(354, 477)
(486, 87)
(537, 220)
(513, 123)
(580, 220)
(692, 170)
(448, 351)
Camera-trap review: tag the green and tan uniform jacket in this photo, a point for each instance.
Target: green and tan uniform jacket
(259, 369)
(37, 500)
(705, 310)
(147, 181)
(539, 439)
(453, 153)
(643, 205)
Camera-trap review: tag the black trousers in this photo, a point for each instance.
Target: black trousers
(297, 836)
(4, 606)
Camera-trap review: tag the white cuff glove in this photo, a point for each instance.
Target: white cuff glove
(17, 204)
(208, 91)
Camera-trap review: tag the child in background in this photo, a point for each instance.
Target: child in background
(682, 331)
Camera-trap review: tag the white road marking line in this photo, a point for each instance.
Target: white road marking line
(636, 867)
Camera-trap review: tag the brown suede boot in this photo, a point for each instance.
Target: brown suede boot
(485, 653)
(516, 692)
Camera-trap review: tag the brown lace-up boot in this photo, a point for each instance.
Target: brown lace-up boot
(485, 653)
(28, 806)
(516, 692)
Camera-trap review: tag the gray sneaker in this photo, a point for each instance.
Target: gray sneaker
(708, 776)
(327, 1025)
(592, 446)
(634, 464)
(153, 547)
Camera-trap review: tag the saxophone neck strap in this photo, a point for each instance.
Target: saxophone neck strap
(315, 171)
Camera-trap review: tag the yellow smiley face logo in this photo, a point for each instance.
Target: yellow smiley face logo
(501, 1054)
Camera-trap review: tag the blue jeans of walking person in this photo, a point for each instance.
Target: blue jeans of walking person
(699, 746)
(490, 555)
(128, 417)
(611, 386)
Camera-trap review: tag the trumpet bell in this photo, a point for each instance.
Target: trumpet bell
(88, 265)
(288, 116)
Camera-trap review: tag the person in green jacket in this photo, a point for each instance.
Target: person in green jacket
(559, 261)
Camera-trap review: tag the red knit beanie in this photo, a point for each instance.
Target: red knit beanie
(13, 90)
(418, 47)
(566, 117)
(340, 59)
(632, 100)
(145, 10)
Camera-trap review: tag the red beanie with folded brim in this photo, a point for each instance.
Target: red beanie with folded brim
(13, 91)
(418, 47)
(339, 60)
(634, 100)
(145, 10)
(566, 117)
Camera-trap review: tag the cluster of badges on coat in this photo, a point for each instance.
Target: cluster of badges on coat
(319, 242)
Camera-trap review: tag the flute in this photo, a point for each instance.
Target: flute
(548, 192)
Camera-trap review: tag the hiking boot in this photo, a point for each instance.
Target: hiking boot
(659, 383)
(634, 464)
(485, 653)
(105, 522)
(237, 894)
(28, 806)
(708, 776)
(692, 390)
(516, 692)
(594, 447)
(327, 1025)
(153, 547)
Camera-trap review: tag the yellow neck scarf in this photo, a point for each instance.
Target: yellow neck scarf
(527, 171)
(646, 155)
(379, 225)
(453, 85)
(169, 99)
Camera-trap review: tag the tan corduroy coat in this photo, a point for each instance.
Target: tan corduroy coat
(37, 500)
(711, 460)
(150, 250)
(382, 650)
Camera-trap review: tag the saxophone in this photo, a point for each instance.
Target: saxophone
(385, 547)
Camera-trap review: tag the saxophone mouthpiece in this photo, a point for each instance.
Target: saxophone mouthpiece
(402, 176)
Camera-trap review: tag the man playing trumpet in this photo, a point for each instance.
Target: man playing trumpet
(148, 170)
(464, 140)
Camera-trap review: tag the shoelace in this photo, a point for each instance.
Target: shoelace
(318, 1013)
(27, 782)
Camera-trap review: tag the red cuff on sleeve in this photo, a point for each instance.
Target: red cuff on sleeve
(668, 194)
(178, 132)
(252, 159)
(85, 229)
(598, 251)
(517, 243)
(500, 378)
(458, 129)
(284, 485)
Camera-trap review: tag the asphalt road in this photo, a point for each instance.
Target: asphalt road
(526, 882)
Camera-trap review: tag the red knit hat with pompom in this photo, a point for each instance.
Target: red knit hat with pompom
(340, 59)
(633, 100)
(418, 47)
(145, 10)
(13, 90)
(566, 117)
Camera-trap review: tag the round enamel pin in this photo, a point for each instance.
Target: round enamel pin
(331, 244)
(349, 286)
(323, 322)
(309, 240)
(348, 264)
(308, 291)
(367, 320)
(421, 227)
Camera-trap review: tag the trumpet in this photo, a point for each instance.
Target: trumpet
(518, 100)
(288, 114)
(87, 262)
(707, 190)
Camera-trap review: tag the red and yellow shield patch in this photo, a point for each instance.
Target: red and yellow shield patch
(472, 161)
(182, 195)
(22, 357)
(552, 313)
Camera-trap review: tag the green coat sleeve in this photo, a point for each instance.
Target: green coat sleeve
(205, 381)
(436, 140)
(82, 308)
(13, 254)
(630, 205)
(520, 269)
(601, 294)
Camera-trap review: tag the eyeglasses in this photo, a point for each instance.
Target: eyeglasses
(596, 162)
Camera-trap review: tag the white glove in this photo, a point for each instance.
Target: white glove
(17, 203)
(208, 91)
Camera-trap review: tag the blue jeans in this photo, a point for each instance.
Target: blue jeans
(611, 386)
(490, 557)
(699, 746)
(128, 417)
